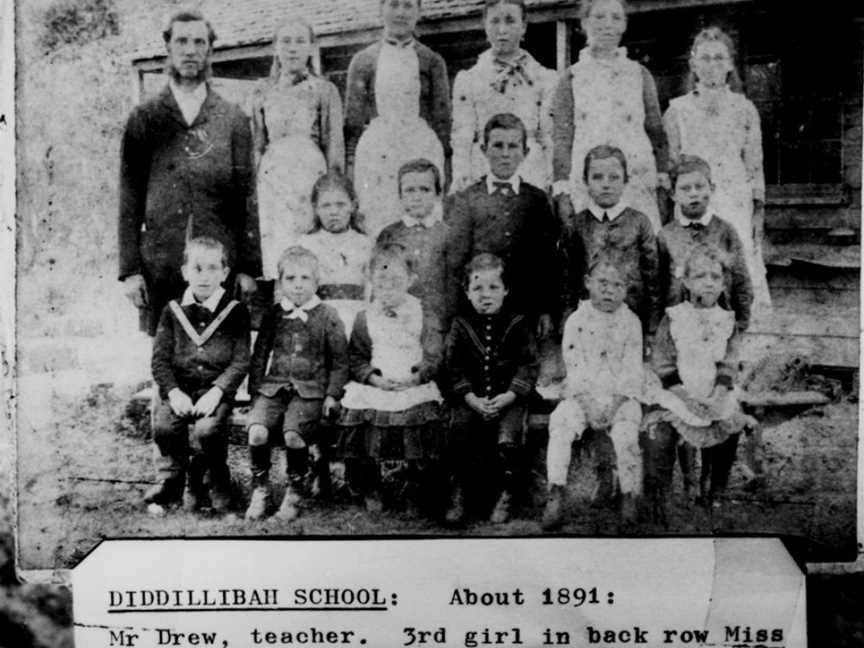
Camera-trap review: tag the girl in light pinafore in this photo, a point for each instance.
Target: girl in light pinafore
(607, 98)
(397, 108)
(719, 124)
(506, 79)
(297, 123)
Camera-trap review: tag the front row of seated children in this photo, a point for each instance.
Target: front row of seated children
(400, 369)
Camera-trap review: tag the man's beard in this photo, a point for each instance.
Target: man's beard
(201, 77)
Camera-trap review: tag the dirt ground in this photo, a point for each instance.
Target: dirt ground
(81, 478)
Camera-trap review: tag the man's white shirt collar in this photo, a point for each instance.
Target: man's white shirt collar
(211, 303)
(190, 102)
(613, 212)
(436, 216)
(683, 220)
(514, 181)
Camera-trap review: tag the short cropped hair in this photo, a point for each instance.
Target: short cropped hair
(188, 16)
(390, 253)
(485, 261)
(603, 152)
(505, 121)
(689, 164)
(420, 165)
(494, 3)
(205, 243)
(299, 255)
(706, 252)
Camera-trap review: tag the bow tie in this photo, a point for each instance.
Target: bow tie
(298, 313)
(695, 226)
(504, 188)
(510, 72)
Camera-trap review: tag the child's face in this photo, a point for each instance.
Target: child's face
(606, 24)
(606, 288)
(298, 281)
(334, 208)
(692, 192)
(711, 63)
(418, 193)
(505, 27)
(504, 151)
(606, 181)
(486, 291)
(704, 282)
(390, 283)
(204, 272)
(293, 47)
(400, 17)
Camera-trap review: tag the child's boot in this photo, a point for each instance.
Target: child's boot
(220, 488)
(629, 511)
(259, 503)
(553, 514)
(297, 461)
(687, 461)
(171, 475)
(507, 462)
(456, 512)
(194, 494)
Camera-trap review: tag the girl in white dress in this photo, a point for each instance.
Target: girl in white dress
(506, 79)
(397, 109)
(341, 245)
(297, 124)
(391, 410)
(607, 98)
(719, 124)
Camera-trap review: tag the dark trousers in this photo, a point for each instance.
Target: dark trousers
(205, 449)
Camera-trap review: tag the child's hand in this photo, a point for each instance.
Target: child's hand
(208, 403)
(479, 405)
(246, 285)
(544, 326)
(502, 401)
(180, 402)
(329, 407)
(413, 381)
(379, 381)
(717, 402)
(664, 181)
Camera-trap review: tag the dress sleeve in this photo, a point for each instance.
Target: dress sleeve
(673, 132)
(337, 351)
(649, 265)
(630, 382)
(753, 151)
(360, 351)
(664, 271)
(455, 356)
(464, 128)
(528, 363)
(163, 350)
(727, 368)
(653, 121)
(742, 288)
(259, 123)
(441, 110)
(563, 128)
(134, 176)
(261, 352)
(664, 356)
(572, 353)
(459, 243)
(432, 343)
(357, 99)
(332, 127)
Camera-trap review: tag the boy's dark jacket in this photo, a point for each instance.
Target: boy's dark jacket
(222, 361)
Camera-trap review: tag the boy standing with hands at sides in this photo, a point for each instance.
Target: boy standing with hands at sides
(502, 215)
(200, 356)
(492, 365)
(609, 225)
(299, 369)
(602, 349)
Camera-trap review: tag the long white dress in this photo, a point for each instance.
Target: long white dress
(397, 135)
(299, 120)
(521, 87)
(725, 131)
(609, 108)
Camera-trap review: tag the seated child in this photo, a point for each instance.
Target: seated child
(695, 223)
(200, 357)
(610, 225)
(392, 406)
(505, 216)
(423, 233)
(695, 358)
(299, 369)
(341, 245)
(602, 348)
(491, 362)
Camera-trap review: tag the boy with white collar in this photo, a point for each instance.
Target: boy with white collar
(299, 369)
(610, 225)
(694, 224)
(200, 356)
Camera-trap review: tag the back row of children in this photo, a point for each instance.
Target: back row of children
(453, 310)
(399, 107)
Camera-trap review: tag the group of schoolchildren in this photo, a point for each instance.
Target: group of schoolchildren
(441, 370)
(420, 350)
